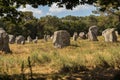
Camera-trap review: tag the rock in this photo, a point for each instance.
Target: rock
(52, 37)
(92, 34)
(61, 38)
(29, 39)
(48, 36)
(45, 38)
(20, 39)
(110, 35)
(75, 36)
(116, 32)
(11, 39)
(82, 35)
(35, 40)
(4, 41)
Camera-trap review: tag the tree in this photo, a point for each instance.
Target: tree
(108, 7)
(72, 26)
(27, 16)
(29, 28)
(69, 17)
(51, 24)
(8, 7)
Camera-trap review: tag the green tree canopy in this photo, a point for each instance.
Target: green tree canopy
(8, 7)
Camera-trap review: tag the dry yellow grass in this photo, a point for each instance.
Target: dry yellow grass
(46, 59)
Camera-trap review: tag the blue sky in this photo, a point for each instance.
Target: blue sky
(81, 10)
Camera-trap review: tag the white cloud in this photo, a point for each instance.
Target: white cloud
(36, 11)
(54, 9)
(83, 7)
(58, 11)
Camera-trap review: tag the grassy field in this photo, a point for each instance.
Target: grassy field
(82, 58)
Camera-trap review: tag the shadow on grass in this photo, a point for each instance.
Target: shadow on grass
(74, 45)
(95, 74)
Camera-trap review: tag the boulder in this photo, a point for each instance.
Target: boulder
(20, 39)
(52, 37)
(82, 35)
(29, 39)
(61, 38)
(45, 38)
(110, 35)
(92, 34)
(48, 36)
(11, 39)
(35, 40)
(75, 36)
(116, 32)
(4, 41)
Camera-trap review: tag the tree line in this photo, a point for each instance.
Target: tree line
(31, 26)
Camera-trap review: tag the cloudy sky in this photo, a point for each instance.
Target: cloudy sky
(81, 10)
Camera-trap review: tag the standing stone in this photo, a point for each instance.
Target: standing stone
(48, 36)
(92, 34)
(29, 39)
(45, 38)
(11, 39)
(86, 36)
(52, 37)
(4, 41)
(20, 39)
(82, 35)
(110, 35)
(35, 40)
(116, 32)
(61, 38)
(75, 36)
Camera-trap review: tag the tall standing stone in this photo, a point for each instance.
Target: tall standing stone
(110, 35)
(52, 37)
(20, 39)
(45, 38)
(82, 35)
(116, 32)
(48, 36)
(35, 40)
(61, 38)
(29, 39)
(4, 41)
(75, 36)
(92, 34)
(11, 39)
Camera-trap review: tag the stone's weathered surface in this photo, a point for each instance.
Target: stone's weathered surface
(20, 39)
(29, 39)
(52, 37)
(86, 36)
(92, 34)
(61, 38)
(45, 38)
(75, 36)
(36, 37)
(110, 35)
(48, 36)
(4, 41)
(116, 32)
(35, 40)
(82, 35)
(11, 39)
